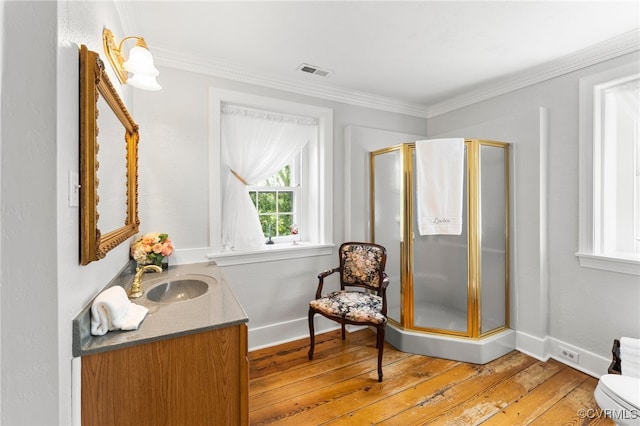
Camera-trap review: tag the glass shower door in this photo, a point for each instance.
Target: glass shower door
(440, 275)
(386, 199)
(493, 248)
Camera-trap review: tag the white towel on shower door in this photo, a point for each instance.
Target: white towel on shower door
(439, 186)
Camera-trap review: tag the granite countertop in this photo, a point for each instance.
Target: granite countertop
(217, 308)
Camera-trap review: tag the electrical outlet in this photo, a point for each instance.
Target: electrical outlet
(572, 356)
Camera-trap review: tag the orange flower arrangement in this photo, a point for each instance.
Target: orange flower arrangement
(151, 248)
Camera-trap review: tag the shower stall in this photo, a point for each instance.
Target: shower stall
(449, 294)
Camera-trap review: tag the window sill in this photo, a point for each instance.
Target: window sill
(609, 263)
(282, 251)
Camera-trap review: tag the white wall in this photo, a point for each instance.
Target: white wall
(1, 180)
(557, 301)
(174, 193)
(43, 285)
(29, 343)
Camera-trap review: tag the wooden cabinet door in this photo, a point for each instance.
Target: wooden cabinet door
(198, 379)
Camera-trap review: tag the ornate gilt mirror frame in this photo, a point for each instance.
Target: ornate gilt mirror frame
(94, 84)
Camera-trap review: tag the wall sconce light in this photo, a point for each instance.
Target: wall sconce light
(139, 63)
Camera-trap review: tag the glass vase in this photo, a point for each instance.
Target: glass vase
(163, 263)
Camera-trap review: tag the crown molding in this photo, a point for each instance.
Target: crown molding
(217, 68)
(609, 49)
(615, 47)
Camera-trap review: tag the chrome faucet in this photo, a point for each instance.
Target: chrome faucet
(136, 287)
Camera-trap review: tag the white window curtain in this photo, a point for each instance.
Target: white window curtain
(255, 145)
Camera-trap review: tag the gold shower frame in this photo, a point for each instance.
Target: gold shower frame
(474, 314)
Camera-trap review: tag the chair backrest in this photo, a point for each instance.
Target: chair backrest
(362, 265)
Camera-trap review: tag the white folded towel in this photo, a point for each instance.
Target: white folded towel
(630, 356)
(439, 186)
(112, 310)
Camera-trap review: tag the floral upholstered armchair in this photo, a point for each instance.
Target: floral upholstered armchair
(361, 269)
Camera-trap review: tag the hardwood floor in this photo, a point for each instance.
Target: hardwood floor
(340, 387)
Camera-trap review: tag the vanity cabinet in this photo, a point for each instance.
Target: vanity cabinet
(195, 379)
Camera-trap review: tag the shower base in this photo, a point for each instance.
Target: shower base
(476, 351)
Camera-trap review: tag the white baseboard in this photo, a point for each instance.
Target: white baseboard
(531, 345)
(548, 347)
(288, 331)
(588, 362)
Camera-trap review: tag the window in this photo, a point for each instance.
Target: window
(309, 187)
(618, 114)
(276, 199)
(610, 170)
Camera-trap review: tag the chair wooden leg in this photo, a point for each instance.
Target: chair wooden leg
(380, 345)
(312, 337)
(343, 334)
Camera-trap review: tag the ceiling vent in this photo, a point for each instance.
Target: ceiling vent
(312, 69)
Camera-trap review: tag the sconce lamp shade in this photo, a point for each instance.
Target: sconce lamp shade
(145, 82)
(139, 64)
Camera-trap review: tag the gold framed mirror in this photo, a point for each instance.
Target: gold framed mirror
(108, 191)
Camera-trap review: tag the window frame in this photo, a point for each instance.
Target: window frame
(590, 154)
(316, 172)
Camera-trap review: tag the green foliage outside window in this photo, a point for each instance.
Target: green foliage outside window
(275, 204)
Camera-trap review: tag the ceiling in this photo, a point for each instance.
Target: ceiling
(417, 53)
